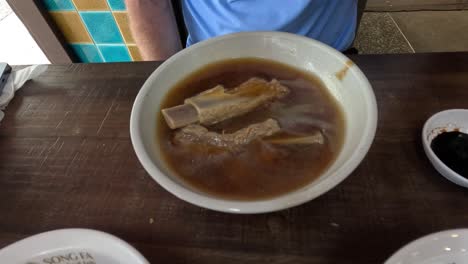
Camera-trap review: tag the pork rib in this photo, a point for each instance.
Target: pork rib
(218, 104)
(197, 134)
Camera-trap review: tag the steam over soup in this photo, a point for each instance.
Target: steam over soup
(274, 148)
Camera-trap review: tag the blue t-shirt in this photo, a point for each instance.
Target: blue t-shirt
(329, 21)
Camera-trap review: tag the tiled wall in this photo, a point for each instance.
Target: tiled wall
(96, 30)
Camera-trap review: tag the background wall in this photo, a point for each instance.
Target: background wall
(96, 30)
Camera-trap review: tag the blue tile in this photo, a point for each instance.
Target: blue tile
(117, 5)
(114, 53)
(58, 5)
(102, 27)
(87, 52)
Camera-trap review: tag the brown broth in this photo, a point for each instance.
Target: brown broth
(260, 170)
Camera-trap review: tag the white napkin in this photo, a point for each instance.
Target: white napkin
(15, 81)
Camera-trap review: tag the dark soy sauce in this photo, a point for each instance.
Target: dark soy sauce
(452, 149)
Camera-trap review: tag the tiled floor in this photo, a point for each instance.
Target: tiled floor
(418, 31)
(431, 31)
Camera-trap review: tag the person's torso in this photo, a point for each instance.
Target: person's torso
(330, 21)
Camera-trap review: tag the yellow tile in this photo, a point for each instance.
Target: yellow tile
(71, 26)
(135, 52)
(124, 25)
(91, 5)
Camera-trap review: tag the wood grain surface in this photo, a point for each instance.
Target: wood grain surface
(66, 161)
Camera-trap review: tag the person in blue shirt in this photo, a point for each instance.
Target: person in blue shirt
(155, 30)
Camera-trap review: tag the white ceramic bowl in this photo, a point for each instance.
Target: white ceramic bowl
(353, 92)
(71, 246)
(447, 247)
(449, 120)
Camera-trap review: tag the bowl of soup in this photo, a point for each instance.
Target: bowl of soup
(276, 155)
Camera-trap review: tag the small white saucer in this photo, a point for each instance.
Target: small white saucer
(447, 247)
(70, 246)
(445, 121)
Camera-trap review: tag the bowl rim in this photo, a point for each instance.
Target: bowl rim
(69, 239)
(420, 241)
(438, 164)
(282, 202)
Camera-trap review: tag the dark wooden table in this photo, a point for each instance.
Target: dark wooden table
(66, 161)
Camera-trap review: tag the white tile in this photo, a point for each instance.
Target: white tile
(16, 44)
(5, 9)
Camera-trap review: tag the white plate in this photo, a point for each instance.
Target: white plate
(447, 247)
(71, 246)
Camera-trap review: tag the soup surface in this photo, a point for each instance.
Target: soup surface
(260, 169)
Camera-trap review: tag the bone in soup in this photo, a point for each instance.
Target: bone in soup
(282, 144)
